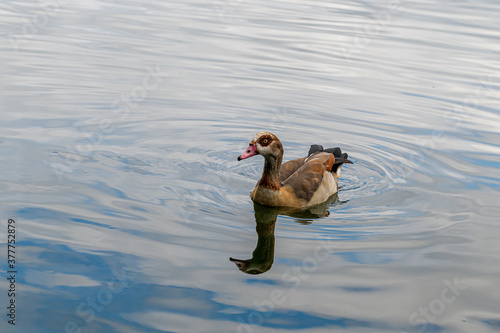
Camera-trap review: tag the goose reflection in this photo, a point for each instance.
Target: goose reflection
(265, 218)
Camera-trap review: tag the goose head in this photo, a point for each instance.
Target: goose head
(265, 144)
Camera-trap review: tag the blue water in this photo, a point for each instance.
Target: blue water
(121, 125)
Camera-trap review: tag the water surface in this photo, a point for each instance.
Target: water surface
(122, 121)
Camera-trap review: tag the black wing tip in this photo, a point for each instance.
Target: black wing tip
(340, 158)
(315, 149)
(337, 152)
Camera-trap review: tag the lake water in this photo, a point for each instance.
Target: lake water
(121, 125)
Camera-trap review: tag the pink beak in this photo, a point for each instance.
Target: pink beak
(251, 151)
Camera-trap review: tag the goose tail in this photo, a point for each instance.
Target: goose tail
(340, 158)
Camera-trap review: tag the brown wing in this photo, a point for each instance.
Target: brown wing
(306, 180)
(288, 168)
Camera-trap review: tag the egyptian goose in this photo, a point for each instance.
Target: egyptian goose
(298, 183)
